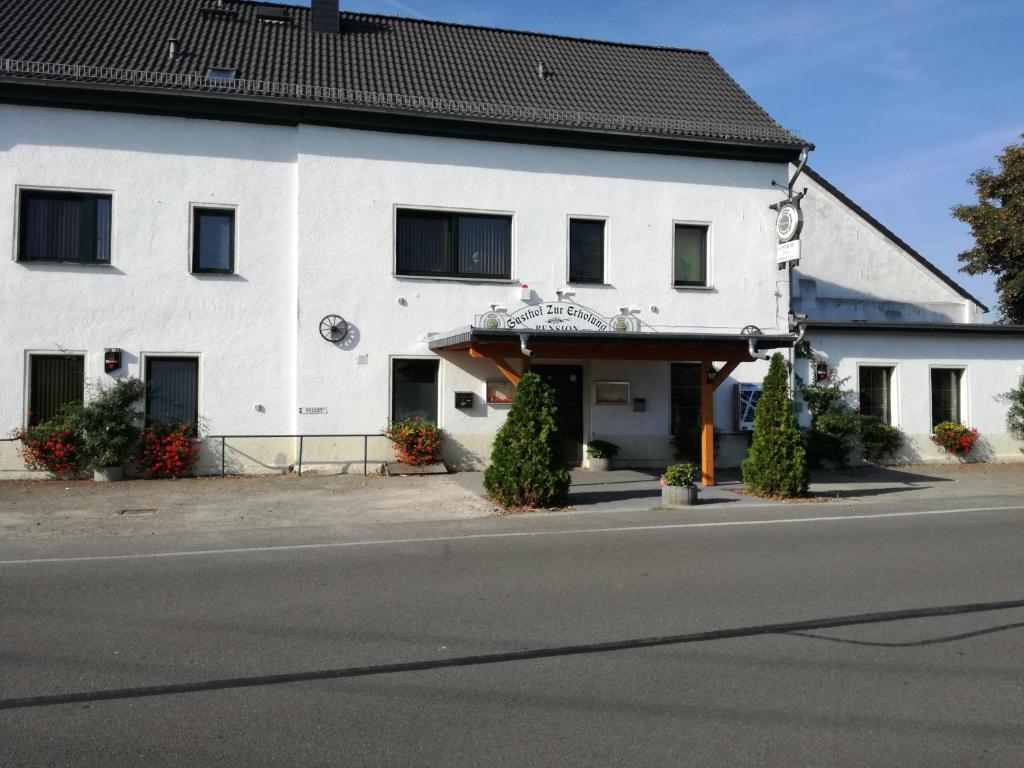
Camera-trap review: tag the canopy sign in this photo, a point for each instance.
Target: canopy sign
(556, 316)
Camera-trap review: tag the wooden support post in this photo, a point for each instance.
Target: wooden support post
(707, 426)
(502, 365)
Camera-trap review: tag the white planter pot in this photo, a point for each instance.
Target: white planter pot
(678, 495)
(108, 474)
(595, 464)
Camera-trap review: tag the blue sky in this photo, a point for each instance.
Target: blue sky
(903, 100)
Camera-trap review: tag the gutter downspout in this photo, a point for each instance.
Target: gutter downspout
(523, 339)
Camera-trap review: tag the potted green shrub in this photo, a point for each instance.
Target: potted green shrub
(109, 426)
(600, 454)
(679, 485)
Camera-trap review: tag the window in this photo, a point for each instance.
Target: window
(691, 255)
(685, 410)
(414, 389)
(64, 226)
(875, 396)
(54, 381)
(454, 245)
(172, 390)
(586, 251)
(946, 394)
(222, 74)
(213, 240)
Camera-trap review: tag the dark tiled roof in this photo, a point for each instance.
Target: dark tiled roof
(475, 71)
(885, 231)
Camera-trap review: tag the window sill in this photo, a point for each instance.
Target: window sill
(454, 279)
(694, 287)
(589, 284)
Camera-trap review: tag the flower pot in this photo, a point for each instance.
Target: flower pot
(108, 474)
(678, 495)
(595, 464)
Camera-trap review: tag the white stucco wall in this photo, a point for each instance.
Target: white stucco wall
(315, 236)
(849, 270)
(992, 367)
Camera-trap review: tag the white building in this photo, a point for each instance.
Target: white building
(200, 185)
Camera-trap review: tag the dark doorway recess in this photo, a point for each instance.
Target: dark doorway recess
(567, 381)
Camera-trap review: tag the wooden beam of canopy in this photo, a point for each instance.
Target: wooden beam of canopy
(501, 364)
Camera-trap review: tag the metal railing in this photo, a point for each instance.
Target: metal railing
(718, 129)
(301, 438)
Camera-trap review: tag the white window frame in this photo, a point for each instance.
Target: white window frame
(709, 255)
(16, 235)
(569, 219)
(513, 260)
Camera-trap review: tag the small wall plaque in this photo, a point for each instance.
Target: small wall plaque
(464, 400)
(500, 392)
(311, 411)
(611, 393)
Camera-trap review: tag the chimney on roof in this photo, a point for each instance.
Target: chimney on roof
(323, 16)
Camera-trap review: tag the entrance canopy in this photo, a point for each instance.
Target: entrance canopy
(604, 345)
(512, 350)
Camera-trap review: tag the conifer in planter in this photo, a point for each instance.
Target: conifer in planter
(527, 468)
(777, 462)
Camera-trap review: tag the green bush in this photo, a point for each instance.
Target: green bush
(685, 475)
(834, 422)
(109, 424)
(602, 449)
(879, 440)
(777, 462)
(1015, 413)
(527, 468)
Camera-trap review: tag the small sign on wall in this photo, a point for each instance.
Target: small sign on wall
(611, 393)
(313, 411)
(500, 392)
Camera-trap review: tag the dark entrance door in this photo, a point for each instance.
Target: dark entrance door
(567, 381)
(686, 424)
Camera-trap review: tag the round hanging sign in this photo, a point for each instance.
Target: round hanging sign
(789, 222)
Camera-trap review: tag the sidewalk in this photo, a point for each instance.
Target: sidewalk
(624, 490)
(209, 505)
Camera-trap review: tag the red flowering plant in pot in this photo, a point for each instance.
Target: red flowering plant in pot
(954, 438)
(53, 446)
(168, 450)
(416, 442)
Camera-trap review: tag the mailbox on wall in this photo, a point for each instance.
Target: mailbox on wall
(463, 400)
(111, 359)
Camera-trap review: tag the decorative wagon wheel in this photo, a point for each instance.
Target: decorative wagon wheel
(751, 330)
(333, 328)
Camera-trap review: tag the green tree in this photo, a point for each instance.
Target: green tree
(1015, 413)
(527, 468)
(777, 462)
(997, 223)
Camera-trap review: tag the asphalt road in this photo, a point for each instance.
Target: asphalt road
(784, 637)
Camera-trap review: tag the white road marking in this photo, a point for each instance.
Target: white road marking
(506, 535)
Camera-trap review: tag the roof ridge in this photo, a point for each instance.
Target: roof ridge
(504, 30)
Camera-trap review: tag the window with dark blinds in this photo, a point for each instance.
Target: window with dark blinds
(875, 397)
(433, 244)
(691, 255)
(54, 381)
(64, 226)
(946, 395)
(586, 251)
(172, 390)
